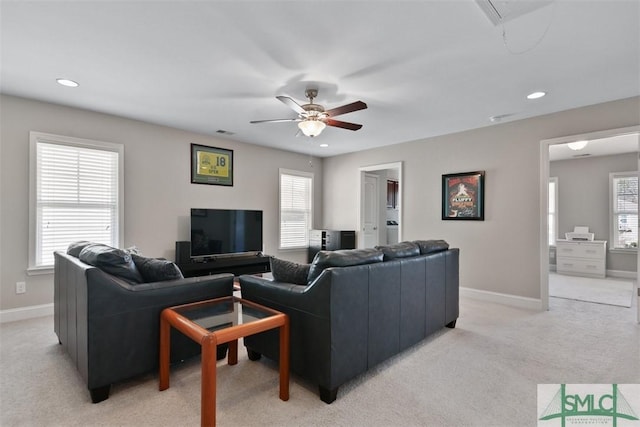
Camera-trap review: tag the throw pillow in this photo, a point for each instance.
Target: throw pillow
(399, 250)
(289, 272)
(111, 260)
(75, 248)
(431, 246)
(342, 258)
(156, 270)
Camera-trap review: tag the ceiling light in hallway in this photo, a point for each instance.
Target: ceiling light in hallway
(578, 145)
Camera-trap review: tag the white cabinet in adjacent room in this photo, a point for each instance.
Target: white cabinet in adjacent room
(581, 258)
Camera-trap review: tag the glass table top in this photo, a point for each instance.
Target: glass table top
(223, 313)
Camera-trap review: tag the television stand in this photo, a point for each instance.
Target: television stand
(237, 265)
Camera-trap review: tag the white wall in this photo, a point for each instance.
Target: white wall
(500, 254)
(158, 192)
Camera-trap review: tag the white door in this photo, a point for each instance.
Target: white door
(371, 207)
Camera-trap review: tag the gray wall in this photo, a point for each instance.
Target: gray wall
(502, 253)
(583, 198)
(158, 192)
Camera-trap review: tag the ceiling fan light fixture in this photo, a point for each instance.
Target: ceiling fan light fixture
(312, 127)
(577, 145)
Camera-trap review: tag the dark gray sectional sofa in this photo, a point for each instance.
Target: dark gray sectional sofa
(360, 307)
(107, 315)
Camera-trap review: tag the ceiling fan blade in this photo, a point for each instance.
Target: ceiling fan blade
(291, 104)
(275, 120)
(343, 125)
(354, 106)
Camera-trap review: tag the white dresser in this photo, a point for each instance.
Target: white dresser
(581, 258)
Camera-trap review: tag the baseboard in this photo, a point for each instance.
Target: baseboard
(22, 313)
(622, 274)
(506, 299)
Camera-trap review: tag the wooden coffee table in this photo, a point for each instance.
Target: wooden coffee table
(219, 321)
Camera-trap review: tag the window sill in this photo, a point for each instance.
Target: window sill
(630, 251)
(298, 249)
(40, 271)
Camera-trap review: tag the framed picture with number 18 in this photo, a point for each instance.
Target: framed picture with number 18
(211, 165)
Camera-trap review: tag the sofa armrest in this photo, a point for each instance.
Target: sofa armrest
(168, 284)
(281, 294)
(108, 295)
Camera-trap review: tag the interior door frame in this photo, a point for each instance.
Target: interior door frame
(373, 215)
(544, 201)
(361, 171)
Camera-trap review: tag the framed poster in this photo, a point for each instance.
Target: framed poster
(211, 165)
(463, 196)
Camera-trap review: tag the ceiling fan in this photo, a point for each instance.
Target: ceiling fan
(313, 118)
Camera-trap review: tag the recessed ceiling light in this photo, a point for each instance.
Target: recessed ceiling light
(67, 82)
(324, 145)
(577, 145)
(536, 95)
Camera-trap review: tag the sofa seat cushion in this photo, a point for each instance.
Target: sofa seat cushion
(155, 269)
(431, 246)
(399, 250)
(289, 272)
(342, 258)
(111, 260)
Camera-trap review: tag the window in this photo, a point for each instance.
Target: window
(296, 202)
(624, 210)
(76, 194)
(553, 210)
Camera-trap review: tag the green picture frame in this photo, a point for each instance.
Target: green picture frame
(211, 165)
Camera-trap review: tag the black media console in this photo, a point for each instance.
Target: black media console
(246, 264)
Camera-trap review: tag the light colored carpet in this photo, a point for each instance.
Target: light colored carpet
(484, 372)
(602, 291)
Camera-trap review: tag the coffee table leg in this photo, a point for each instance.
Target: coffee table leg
(284, 360)
(165, 336)
(233, 352)
(208, 394)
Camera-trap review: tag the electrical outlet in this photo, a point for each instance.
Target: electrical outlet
(21, 287)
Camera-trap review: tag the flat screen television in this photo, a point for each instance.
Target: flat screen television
(225, 232)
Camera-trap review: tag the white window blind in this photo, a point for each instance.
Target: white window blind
(624, 219)
(77, 196)
(295, 209)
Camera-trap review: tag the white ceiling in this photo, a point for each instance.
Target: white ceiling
(620, 144)
(424, 68)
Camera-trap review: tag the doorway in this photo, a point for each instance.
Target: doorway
(554, 145)
(375, 214)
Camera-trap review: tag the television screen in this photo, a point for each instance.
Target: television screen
(225, 231)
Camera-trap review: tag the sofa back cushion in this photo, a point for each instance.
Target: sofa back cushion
(431, 246)
(399, 250)
(111, 260)
(289, 272)
(156, 270)
(75, 248)
(342, 258)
